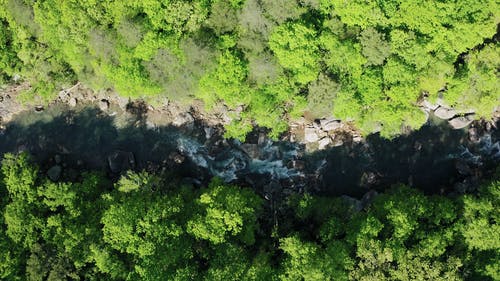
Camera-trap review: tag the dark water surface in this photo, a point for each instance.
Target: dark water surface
(433, 158)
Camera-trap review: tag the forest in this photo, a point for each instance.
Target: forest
(146, 226)
(365, 61)
(369, 63)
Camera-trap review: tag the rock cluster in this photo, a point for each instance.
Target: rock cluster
(457, 120)
(323, 133)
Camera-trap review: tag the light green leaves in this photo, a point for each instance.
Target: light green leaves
(296, 48)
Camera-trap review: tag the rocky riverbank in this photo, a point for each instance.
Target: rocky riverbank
(316, 134)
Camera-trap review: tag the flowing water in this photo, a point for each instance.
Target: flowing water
(433, 158)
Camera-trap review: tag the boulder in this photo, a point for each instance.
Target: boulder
(104, 105)
(353, 203)
(474, 135)
(428, 105)
(310, 135)
(337, 142)
(252, 150)
(323, 143)
(296, 164)
(72, 102)
(121, 161)
(54, 173)
(177, 157)
(460, 122)
(445, 113)
(183, 119)
(331, 125)
(357, 139)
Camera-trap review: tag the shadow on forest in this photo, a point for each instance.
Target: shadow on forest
(431, 158)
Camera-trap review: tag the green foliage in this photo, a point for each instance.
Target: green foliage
(383, 55)
(296, 49)
(375, 48)
(322, 93)
(148, 227)
(226, 211)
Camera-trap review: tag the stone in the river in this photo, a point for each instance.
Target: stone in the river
(473, 134)
(72, 102)
(57, 159)
(463, 168)
(353, 203)
(251, 150)
(460, 122)
(296, 164)
(445, 113)
(262, 140)
(323, 143)
(104, 105)
(54, 173)
(310, 135)
(121, 161)
(368, 198)
(177, 157)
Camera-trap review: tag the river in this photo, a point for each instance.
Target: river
(434, 158)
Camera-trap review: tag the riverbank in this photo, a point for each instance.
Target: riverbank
(317, 134)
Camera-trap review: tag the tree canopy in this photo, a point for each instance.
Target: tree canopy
(266, 57)
(152, 227)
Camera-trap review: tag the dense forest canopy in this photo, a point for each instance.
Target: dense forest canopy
(367, 61)
(149, 226)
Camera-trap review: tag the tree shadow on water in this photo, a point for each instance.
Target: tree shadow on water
(88, 139)
(434, 159)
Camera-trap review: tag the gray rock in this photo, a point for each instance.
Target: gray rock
(445, 113)
(331, 125)
(72, 102)
(474, 135)
(428, 105)
(122, 102)
(337, 142)
(296, 164)
(310, 135)
(209, 131)
(251, 150)
(104, 105)
(357, 139)
(183, 119)
(262, 140)
(353, 203)
(323, 143)
(54, 173)
(460, 122)
(368, 198)
(121, 161)
(177, 157)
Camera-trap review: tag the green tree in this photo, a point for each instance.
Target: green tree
(225, 211)
(295, 46)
